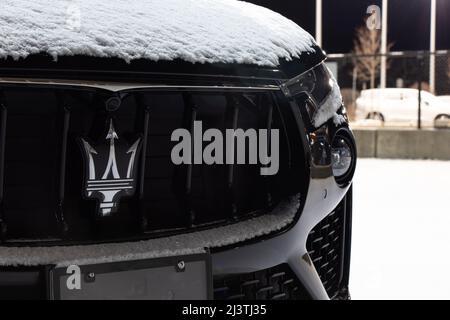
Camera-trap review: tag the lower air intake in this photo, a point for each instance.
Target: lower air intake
(326, 247)
(277, 283)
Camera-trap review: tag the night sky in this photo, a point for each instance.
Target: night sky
(408, 20)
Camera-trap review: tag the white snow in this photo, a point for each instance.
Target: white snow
(329, 106)
(203, 31)
(338, 119)
(401, 230)
(183, 244)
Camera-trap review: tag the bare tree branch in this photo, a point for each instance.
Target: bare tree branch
(367, 44)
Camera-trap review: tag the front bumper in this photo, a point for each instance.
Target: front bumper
(288, 265)
(291, 247)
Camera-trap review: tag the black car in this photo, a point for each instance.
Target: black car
(89, 188)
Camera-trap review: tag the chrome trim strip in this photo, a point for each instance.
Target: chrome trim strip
(118, 86)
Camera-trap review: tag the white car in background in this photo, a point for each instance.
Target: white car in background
(444, 99)
(401, 105)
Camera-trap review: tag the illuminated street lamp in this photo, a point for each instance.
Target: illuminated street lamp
(383, 52)
(319, 22)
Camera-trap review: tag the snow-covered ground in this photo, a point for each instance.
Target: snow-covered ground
(401, 230)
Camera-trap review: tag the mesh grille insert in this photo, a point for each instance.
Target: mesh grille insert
(325, 247)
(277, 283)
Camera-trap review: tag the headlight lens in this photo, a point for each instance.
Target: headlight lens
(323, 94)
(316, 83)
(343, 156)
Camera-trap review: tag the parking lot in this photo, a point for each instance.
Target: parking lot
(401, 230)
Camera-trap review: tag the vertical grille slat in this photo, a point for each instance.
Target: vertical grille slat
(62, 223)
(268, 196)
(191, 111)
(143, 215)
(3, 118)
(233, 117)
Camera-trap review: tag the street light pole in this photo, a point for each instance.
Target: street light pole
(384, 13)
(420, 57)
(319, 22)
(433, 46)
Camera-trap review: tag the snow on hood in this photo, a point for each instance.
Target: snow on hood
(203, 31)
(183, 244)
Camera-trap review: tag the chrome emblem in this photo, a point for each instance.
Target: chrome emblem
(110, 170)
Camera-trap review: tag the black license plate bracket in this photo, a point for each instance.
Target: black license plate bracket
(166, 278)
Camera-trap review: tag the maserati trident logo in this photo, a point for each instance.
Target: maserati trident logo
(110, 170)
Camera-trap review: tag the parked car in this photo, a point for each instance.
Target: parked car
(93, 205)
(400, 105)
(445, 99)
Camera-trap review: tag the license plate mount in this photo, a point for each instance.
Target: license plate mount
(167, 278)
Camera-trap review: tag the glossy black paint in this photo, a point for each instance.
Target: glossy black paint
(171, 72)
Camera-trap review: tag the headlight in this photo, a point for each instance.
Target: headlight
(323, 94)
(343, 156)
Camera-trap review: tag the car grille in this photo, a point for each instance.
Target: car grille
(325, 246)
(41, 164)
(277, 283)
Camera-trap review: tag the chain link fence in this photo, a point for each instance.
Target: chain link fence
(409, 98)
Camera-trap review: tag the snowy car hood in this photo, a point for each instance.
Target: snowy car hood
(197, 31)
